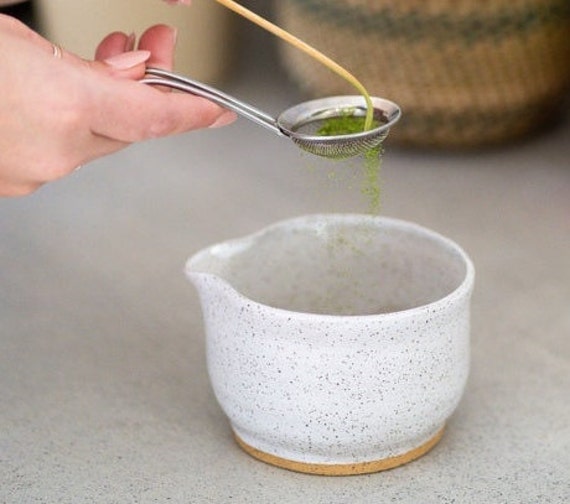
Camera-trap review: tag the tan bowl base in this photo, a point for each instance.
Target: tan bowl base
(342, 469)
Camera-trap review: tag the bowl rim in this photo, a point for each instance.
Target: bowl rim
(463, 290)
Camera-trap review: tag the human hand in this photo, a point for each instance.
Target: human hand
(60, 111)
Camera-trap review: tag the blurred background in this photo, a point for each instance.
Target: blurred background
(467, 74)
(103, 382)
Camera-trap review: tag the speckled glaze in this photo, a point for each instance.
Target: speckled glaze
(336, 344)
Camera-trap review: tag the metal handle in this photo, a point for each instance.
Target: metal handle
(159, 77)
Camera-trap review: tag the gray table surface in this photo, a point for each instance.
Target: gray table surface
(104, 394)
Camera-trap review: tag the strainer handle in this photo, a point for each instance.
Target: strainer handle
(159, 77)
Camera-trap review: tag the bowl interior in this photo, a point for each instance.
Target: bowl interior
(341, 267)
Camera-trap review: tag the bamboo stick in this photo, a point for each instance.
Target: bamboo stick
(303, 46)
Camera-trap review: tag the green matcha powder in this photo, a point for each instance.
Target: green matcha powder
(348, 124)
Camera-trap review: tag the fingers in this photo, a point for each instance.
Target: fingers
(160, 40)
(115, 55)
(114, 44)
(128, 111)
(134, 111)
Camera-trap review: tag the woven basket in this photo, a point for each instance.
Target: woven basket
(466, 73)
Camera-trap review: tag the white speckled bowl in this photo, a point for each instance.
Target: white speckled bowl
(336, 344)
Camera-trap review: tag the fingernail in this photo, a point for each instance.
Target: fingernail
(223, 120)
(174, 32)
(130, 42)
(127, 60)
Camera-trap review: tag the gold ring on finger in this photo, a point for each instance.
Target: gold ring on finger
(57, 51)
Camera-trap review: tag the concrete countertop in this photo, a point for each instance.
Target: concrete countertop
(104, 393)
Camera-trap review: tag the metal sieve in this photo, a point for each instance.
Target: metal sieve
(301, 122)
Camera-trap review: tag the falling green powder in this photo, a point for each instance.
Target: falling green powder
(371, 187)
(348, 124)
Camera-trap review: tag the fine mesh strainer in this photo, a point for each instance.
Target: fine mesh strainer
(301, 122)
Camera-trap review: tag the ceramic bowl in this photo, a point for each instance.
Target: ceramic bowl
(336, 344)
